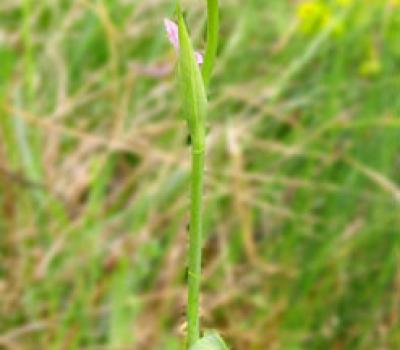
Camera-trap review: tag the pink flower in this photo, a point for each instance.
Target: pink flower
(173, 36)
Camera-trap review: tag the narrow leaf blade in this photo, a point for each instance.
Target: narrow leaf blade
(212, 40)
(193, 95)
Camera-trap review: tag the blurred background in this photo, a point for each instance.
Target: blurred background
(302, 246)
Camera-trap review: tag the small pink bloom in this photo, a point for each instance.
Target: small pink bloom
(173, 36)
(172, 32)
(199, 57)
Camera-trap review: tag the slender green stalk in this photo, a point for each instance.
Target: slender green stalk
(196, 225)
(28, 56)
(193, 84)
(212, 40)
(195, 244)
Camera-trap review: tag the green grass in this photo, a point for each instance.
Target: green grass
(302, 178)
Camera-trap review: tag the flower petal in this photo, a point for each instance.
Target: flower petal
(172, 32)
(173, 36)
(199, 57)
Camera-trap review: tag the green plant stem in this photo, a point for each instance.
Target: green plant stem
(28, 55)
(212, 40)
(195, 245)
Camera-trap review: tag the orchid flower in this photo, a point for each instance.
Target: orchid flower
(173, 36)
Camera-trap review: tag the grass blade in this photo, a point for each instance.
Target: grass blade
(212, 40)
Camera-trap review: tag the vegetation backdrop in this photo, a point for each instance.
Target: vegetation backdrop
(302, 246)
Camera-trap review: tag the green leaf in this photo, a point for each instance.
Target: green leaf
(193, 94)
(212, 40)
(211, 341)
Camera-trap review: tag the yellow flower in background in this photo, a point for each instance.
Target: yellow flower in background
(370, 68)
(344, 2)
(339, 29)
(394, 3)
(372, 65)
(313, 16)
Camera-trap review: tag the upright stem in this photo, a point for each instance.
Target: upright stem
(28, 56)
(212, 40)
(195, 245)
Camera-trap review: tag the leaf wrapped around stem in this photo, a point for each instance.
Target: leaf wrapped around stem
(193, 94)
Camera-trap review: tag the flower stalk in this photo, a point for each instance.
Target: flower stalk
(198, 155)
(193, 83)
(195, 245)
